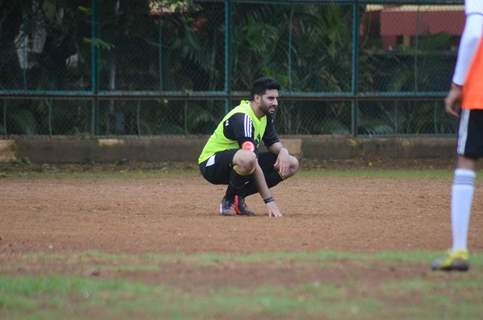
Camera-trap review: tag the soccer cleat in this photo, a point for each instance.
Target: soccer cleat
(241, 207)
(453, 261)
(227, 207)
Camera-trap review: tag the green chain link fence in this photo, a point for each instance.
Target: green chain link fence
(148, 67)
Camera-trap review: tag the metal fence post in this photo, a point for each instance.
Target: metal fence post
(416, 51)
(290, 44)
(160, 53)
(355, 67)
(94, 67)
(228, 26)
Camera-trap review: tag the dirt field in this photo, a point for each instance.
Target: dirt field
(180, 215)
(72, 217)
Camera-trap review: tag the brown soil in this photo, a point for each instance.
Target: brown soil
(179, 214)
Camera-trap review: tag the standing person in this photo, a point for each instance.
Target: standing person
(467, 89)
(232, 157)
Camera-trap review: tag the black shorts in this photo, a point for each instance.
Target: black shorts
(218, 167)
(470, 134)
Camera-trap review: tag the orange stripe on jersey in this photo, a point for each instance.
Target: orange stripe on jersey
(473, 87)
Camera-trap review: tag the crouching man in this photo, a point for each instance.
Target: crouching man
(231, 155)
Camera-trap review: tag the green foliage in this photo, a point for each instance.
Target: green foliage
(22, 122)
(203, 117)
(403, 117)
(178, 45)
(99, 43)
(312, 44)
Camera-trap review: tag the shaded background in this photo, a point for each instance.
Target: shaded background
(119, 67)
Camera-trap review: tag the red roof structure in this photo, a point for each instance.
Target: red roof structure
(413, 20)
(407, 21)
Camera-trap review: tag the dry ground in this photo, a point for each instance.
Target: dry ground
(132, 216)
(172, 214)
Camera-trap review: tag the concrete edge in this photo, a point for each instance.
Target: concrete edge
(7, 150)
(187, 148)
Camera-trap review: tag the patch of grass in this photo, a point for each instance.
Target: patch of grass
(210, 258)
(213, 258)
(63, 297)
(70, 295)
(448, 298)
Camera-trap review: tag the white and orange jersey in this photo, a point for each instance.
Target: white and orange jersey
(469, 65)
(473, 86)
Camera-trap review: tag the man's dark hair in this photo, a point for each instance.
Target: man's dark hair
(263, 84)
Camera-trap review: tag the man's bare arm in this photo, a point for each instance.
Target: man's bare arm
(265, 193)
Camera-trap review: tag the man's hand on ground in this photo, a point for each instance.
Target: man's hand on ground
(273, 210)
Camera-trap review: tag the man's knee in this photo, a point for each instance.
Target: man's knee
(294, 166)
(245, 162)
(466, 163)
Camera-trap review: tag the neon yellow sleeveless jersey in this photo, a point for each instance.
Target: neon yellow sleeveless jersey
(254, 129)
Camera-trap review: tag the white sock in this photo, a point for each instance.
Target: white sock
(461, 199)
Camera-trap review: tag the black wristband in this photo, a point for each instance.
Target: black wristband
(267, 200)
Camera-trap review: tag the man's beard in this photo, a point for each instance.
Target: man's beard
(269, 111)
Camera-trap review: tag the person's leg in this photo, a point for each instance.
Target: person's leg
(244, 164)
(461, 200)
(267, 161)
(218, 169)
(242, 167)
(235, 168)
(470, 148)
(462, 190)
